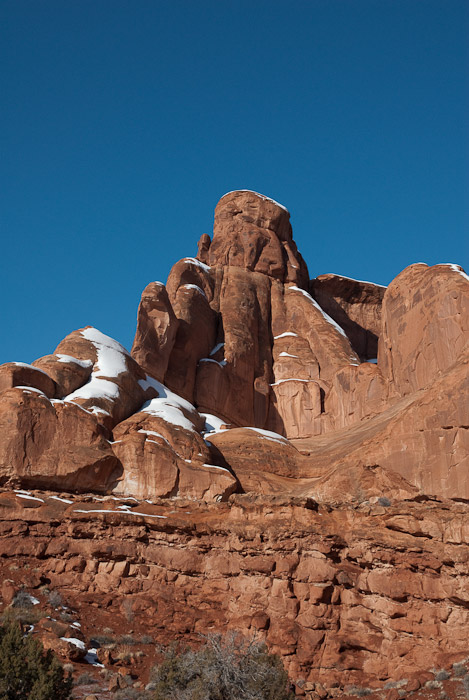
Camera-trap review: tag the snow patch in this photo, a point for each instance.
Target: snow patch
(316, 305)
(287, 334)
(168, 405)
(262, 196)
(269, 435)
(215, 466)
(352, 279)
(76, 642)
(122, 512)
(25, 364)
(216, 349)
(456, 268)
(31, 390)
(110, 362)
(291, 379)
(213, 424)
(194, 286)
(96, 388)
(73, 360)
(287, 354)
(63, 500)
(91, 657)
(196, 262)
(222, 363)
(30, 498)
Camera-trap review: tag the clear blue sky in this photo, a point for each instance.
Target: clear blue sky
(124, 121)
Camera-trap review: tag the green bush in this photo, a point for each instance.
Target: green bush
(26, 671)
(229, 668)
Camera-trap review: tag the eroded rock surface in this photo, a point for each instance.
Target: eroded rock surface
(362, 595)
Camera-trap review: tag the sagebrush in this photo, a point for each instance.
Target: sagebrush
(224, 668)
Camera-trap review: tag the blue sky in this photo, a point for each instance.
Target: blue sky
(124, 121)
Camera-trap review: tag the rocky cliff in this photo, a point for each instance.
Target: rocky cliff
(323, 397)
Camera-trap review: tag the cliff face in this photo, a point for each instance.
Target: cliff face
(348, 595)
(246, 377)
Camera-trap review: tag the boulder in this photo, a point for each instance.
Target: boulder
(21, 374)
(156, 331)
(68, 372)
(117, 386)
(52, 444)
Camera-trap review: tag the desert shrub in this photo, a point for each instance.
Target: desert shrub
(26, 671)
(85, 678)
(22, 600)
(459, 670)
(384, 501)
(224, 668)
(465, 682)
(55, 599)
(442, 675)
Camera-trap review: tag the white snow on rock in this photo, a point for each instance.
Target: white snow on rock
(352, 279)
(168, 405)
(110, 362)
(193, 286)
(111, 355)
(456, 268)
(96, 388)
(215, 466)
(25, 364)
(287, 334)
(222, 363)
(216, 349)
(262, 196)
(291, 379)
(76, 642)
(29, 498)
(269, 435)
(197, 263)
(122, 512)
(287, 354)
(63, 500)
(31, 390)
(91, 657)
(155, 434)
(213, 424)
(73, 360)
(316, 305)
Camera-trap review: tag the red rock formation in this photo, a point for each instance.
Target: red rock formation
(156, 331)
(20, 374)
(254, 232)
(52, 444)
(346, 564)
(355, 306)
(68, 372)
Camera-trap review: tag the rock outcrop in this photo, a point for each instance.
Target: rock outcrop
(353, 373)
(284, 452)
